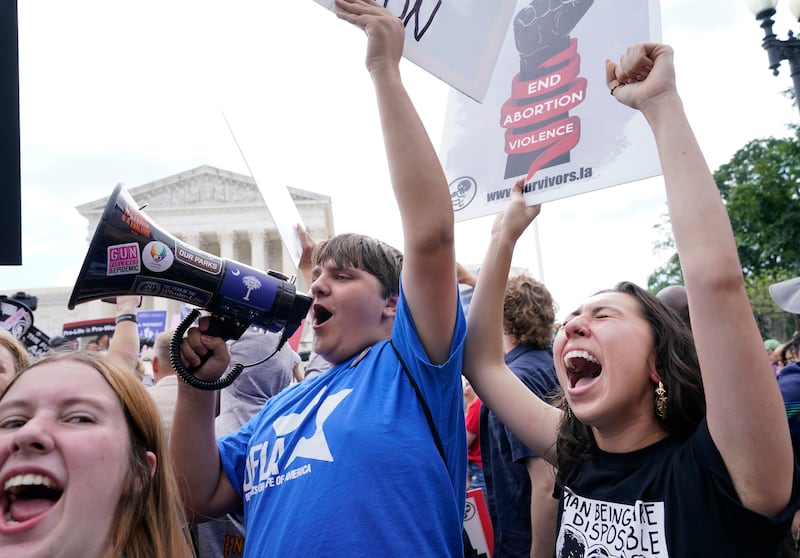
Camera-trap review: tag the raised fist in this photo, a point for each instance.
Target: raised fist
(545, 21)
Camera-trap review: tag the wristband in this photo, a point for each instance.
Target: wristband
(126, 318)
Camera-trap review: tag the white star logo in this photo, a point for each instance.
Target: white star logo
(315, 446)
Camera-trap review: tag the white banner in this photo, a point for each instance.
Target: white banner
(458, 41)
(548, 115)
(267, 175)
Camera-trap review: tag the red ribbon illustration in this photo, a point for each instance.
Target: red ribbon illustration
(546, 98)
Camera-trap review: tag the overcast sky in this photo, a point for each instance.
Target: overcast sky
(132, 92)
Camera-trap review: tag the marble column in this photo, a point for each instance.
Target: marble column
(226, 244)
(287, 263)
(257, 247)
(193, 239)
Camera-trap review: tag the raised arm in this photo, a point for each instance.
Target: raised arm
(124, 344)
(532, 420)
(205, 489)
(307, 244)
(420, 187)
(744, 406)
(465, 276)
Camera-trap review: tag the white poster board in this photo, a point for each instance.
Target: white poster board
(458, 41)
(273, 186)
(478, 524)
(548, 115)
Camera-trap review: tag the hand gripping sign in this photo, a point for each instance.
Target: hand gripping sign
(458, 42)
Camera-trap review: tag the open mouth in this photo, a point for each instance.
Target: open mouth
(581, 367)
(321, 314)
(29, 495)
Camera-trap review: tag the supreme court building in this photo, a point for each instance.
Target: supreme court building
(217, 211)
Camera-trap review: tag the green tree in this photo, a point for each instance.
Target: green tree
(761, 190)
(670, 273)
(772, 321)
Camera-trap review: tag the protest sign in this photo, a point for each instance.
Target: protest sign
(548, 116)
(276, 194)
(478, 524)
(87, 328)
(151, 323)
(458, 42)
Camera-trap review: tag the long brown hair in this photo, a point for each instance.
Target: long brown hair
(148, 521)
(676, 362)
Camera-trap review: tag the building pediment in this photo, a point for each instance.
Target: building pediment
(203, 186)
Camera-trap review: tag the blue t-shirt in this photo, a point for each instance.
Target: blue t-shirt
(789, 384)
(345, 464)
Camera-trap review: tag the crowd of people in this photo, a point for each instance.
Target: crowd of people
(641, 425)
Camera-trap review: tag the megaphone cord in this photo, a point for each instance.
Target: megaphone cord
(281, 343)
(184, 373)
(224, 381)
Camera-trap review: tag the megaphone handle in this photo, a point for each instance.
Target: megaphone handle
(185, 374)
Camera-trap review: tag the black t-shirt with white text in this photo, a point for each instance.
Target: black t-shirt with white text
(674, 499)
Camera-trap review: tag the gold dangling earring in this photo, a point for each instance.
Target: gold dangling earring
(661, 401)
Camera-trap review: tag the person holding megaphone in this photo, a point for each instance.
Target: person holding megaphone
(333, 450)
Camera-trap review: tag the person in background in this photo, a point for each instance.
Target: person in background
(62, 344)
(472, 420)
(469, 393)
(103, 340)
(786, 295)
(788, 352)
(298, 374)
(519, 481)
(674, 296)
(789, 384)
(146, 358)
(315, 366)
(466, 281)
(13, 358)
(681, 433)
(85, 465)
(773, 346)
(165, 389)
(333, 450)
(472, 403)
(770, 345)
